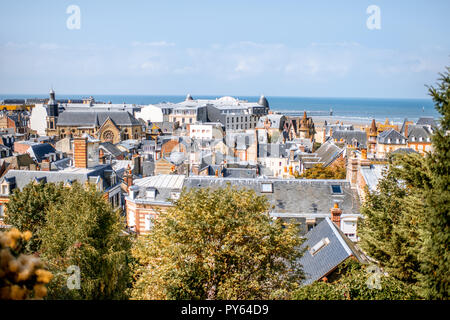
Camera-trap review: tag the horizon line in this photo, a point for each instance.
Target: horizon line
(215, 95)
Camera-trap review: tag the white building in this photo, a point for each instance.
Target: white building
(206, 131)
(150, 113)
(38, 119)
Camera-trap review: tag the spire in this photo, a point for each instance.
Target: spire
(52, 100)
(373, 127)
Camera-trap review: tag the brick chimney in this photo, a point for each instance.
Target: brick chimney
(128, 178)
(336, 215)
(364, 154)
(352, 168)
(45, 165)
(101, 156)
(80, 156)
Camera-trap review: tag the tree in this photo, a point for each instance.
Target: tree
(22, 276)
(353, 285)
(83, 230)
(434, 253)
(218, 244)
(406, 222)
(389, 230)
(26, 210)
(335, 171)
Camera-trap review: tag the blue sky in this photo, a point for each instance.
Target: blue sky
(276, 48)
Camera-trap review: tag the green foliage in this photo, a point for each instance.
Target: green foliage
(83, 230)
(389, 231)
(434, 253)
(27, 208)
(406, 222)
(352, 285)
(218, 244)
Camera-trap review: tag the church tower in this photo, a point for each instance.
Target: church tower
(52, 114)
(372, 137)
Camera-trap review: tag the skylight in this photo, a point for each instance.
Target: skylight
(319, 245)
(266, 187)
(335, 188)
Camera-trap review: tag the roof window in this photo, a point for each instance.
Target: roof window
(266, 187)
(319, 245)
(336, 189)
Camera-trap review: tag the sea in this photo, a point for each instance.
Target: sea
(342, 109)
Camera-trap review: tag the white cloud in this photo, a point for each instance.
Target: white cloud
(245, 65)
(153, 44)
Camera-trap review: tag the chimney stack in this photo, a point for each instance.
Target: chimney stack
(80, 156)
(136, 164)
(336, 215)
(45, 165)
(101, 156)
(128, 178)
(364, 154)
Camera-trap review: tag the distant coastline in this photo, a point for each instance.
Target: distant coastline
(349, 110)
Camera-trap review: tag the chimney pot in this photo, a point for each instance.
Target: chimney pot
(336, 215)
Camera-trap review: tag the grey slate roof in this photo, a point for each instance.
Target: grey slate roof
(239, 173)
(336, 127)
(427, 121)
(297, 196)
(372, 174)
(328, 152)
(348, 136)
(276, 121)
(164, 184)
(40, 150)
(111, 149)
(94, 118)
(393, 135)
(24, 177)
(324, 261)
(273, 150)
(419, 131)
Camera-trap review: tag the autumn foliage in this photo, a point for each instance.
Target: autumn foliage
(22, 276)
(218, 244)
(336, 170)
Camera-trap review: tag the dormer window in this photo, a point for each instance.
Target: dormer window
(150, 193)
(5, 189)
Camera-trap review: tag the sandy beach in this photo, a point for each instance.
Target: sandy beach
(357, 123)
